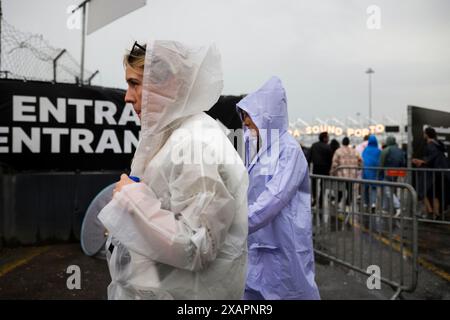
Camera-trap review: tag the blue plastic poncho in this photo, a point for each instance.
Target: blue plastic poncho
(371, 158)
(281, 257)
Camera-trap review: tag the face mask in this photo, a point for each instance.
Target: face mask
(253, 142)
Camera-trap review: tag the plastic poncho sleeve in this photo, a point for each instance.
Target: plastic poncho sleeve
(136, 219)
(278, 192)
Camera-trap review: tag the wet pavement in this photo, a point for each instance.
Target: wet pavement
(337, 282)
(374, 241)
(434, 245)
(41, 273)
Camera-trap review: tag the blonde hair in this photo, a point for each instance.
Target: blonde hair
(135, 60)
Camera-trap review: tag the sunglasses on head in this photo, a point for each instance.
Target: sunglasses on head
(136, 50)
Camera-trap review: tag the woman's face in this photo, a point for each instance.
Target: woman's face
(134, 92)
(248, 122)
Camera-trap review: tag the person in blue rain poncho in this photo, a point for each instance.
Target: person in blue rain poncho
(281, 257)
(371, 158)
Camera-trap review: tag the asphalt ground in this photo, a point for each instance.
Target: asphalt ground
(42, 273)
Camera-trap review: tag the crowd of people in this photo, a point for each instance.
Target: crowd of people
(369, 160)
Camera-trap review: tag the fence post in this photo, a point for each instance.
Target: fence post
(55, 63)
(92, 76)
(410, 143)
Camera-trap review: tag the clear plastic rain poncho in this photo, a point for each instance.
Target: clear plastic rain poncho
(181, 233)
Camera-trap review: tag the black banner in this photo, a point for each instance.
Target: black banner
(64, 127)
(422, 118)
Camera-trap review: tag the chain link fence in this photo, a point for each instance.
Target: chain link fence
(29, 56)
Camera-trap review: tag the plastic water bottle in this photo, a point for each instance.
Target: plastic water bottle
(135, 179)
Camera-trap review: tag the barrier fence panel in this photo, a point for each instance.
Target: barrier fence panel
(42, 207)
(431, 185)
(368, 226)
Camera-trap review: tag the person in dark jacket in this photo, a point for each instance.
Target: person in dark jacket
(334, 145)
(391, 157)
(305, 150)
(320, 156)
(434, 157)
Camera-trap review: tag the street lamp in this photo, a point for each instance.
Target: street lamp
(370, 72)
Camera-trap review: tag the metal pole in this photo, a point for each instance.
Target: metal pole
(370, 98)
(83, 39)
(370, 72)
(92, 76)
(55, 63)
(410, 140)
(1, 20)
(83, 36)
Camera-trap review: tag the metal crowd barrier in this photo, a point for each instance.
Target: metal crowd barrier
(432, 187)
(44, 207)
(364, 223)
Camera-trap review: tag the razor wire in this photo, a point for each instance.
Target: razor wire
(30, 56)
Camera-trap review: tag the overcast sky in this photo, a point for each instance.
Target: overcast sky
(319, 48)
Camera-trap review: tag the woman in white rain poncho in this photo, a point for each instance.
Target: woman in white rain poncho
(181, 233)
